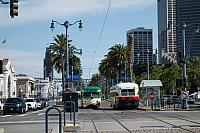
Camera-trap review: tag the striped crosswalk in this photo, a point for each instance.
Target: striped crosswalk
(21, 115)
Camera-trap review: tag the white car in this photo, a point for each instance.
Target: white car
(31, 103)
(1, 105)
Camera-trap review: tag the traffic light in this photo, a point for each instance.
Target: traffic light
(13, 8)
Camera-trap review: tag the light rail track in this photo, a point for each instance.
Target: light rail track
(148, 114)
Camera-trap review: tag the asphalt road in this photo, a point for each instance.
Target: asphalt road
(106, 119)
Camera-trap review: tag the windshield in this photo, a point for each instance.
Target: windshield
(38, 100)
(29, 100)
(91, 94)
(128, 92)
(13, 100)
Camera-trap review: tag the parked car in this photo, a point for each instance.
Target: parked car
(1, 105)
(14, 105)
(40, 103)
(46, 102)
(31, 103)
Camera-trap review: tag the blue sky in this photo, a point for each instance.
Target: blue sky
(28, 35)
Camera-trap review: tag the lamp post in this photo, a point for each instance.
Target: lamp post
(184, 58)
(184, 76)
(148, 63)
(66, 24)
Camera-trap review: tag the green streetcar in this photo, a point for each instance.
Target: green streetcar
(90, 96)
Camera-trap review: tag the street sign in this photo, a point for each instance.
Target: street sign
(152, 95)
(185, 94)
(67, 90)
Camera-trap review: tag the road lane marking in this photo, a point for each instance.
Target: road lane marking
(6, 116)
(41, 114)
(22, 114)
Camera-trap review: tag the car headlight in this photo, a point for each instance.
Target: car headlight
(18, 105)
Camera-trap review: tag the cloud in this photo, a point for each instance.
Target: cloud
(40, 10)
(15, 53)
(24, 62)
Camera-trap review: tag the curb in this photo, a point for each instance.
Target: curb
(149, 109)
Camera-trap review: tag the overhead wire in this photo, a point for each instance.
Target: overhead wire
(94, 54)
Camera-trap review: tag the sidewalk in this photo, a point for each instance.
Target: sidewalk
(164, 109)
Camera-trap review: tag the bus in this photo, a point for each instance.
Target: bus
(91, 96)
(124, 95)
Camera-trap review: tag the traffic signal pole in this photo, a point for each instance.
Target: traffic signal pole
(13, 8)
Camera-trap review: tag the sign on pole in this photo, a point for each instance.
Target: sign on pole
(185, 94)
(67, 90)
(152, 95)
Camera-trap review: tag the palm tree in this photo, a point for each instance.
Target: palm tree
(58, 53)
(114, 62)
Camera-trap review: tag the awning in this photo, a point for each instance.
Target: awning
(150, 83)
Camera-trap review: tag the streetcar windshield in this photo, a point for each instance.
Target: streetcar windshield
(91, 94)
(128, 92)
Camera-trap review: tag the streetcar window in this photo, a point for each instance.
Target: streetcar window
(128, 92)
(95, 94)
(91, 94)
(87, 94)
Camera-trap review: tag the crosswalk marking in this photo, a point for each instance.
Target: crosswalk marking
(6, 116)
(41, 114)
(22, 114)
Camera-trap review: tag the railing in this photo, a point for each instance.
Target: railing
(55, 114)
(72, 108)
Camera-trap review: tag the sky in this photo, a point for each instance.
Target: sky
(28, 34)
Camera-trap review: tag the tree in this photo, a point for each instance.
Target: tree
(58, 55)
(169, 76)
(95, 80)
(193, 73)
(57, 51)
(113, 62)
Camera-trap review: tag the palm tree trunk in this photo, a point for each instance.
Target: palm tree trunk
(63, 82)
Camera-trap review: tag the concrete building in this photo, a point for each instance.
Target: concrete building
(45, 88)
(25, 86)
(166, 31)
(141, 45)
(48, 66)
(188, 12)
(7, 79)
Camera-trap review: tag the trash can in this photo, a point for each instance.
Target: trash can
(73, 96)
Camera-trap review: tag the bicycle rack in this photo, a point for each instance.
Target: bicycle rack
(74, 115)
(57, 114)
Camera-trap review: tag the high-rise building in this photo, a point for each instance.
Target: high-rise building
(166, 31)
(188, 12)
(141, 45)
(48, 66)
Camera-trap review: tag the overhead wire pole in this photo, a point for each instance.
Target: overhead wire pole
(184, 59)
(184, 75)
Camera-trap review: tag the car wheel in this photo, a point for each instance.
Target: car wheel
(4, 113)
(21, 111)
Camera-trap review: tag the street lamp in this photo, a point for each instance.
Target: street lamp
(66, 24)
(148, 63)
(184, 26)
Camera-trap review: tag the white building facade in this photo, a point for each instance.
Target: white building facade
(44, 88)
(7, 80)
(25, 86)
